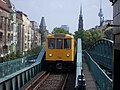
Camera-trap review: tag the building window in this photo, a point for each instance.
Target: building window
(9, 37)
(1, 36)
(9, 25)
(12, 26)
(25, 45)
(1, 22)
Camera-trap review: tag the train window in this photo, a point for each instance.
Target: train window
(51, 43)
(67, 43)
(59, 43)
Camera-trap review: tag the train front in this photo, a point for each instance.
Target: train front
(59, 52)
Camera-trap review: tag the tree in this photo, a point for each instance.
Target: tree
(59, 30)
(88, 37)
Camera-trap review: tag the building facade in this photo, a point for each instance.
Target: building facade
(35, 35)
(5, 27)
(14, 29)
(116, 48)
(65, 27)
(24, 32)
(20, 33)
(17, 33)
(27, 32)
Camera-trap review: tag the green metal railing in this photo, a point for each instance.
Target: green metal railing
(12, 66)
(80, 79)
(102, 52)
(16, 80)
(102, 80)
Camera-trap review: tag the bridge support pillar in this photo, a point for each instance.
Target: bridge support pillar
(25, 78)
(16, 83)
(28, 75)
(21, 81)
(10, 85)
(3, 86)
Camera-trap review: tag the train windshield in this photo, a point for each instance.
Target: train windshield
(51, 43)
(67, 43)
(59, 43)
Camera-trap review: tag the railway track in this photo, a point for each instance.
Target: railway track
(54, 82)
(49, 81)
(34, 84)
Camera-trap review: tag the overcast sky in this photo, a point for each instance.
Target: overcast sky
(64, 12)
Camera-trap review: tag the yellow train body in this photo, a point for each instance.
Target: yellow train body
(63, 53)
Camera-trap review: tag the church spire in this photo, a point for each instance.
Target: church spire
(42, 24)
(81, 10)
(80, 24)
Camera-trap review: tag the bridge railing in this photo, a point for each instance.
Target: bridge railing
(80, 79)
(102, 80)
(7, 68)
(16, 80)
(103, 60)
(102, 52)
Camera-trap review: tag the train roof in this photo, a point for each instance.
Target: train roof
(59, 35)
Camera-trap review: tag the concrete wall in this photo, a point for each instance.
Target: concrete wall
(116, 53)
(116, 16)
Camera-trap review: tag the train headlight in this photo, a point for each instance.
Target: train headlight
(50, 55)
(68, 55)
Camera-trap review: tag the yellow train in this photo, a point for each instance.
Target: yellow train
(60, 51)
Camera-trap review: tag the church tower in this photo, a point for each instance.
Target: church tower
(80, 24)
(42, 24)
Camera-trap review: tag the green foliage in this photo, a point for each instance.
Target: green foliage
(19, 54)
(59, 30)
(34, 51)
(12, 56)
(96, 35)
(88, 37)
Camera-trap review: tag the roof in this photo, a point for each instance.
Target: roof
(5, 5)
(42, 22)
(19, 15)
(59, 35)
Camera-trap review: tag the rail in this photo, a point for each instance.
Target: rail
(46, 80)
(102, 52)
(80, 79)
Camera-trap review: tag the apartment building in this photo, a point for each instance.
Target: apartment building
(35, 35)
(5, 27)
(24, 32)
